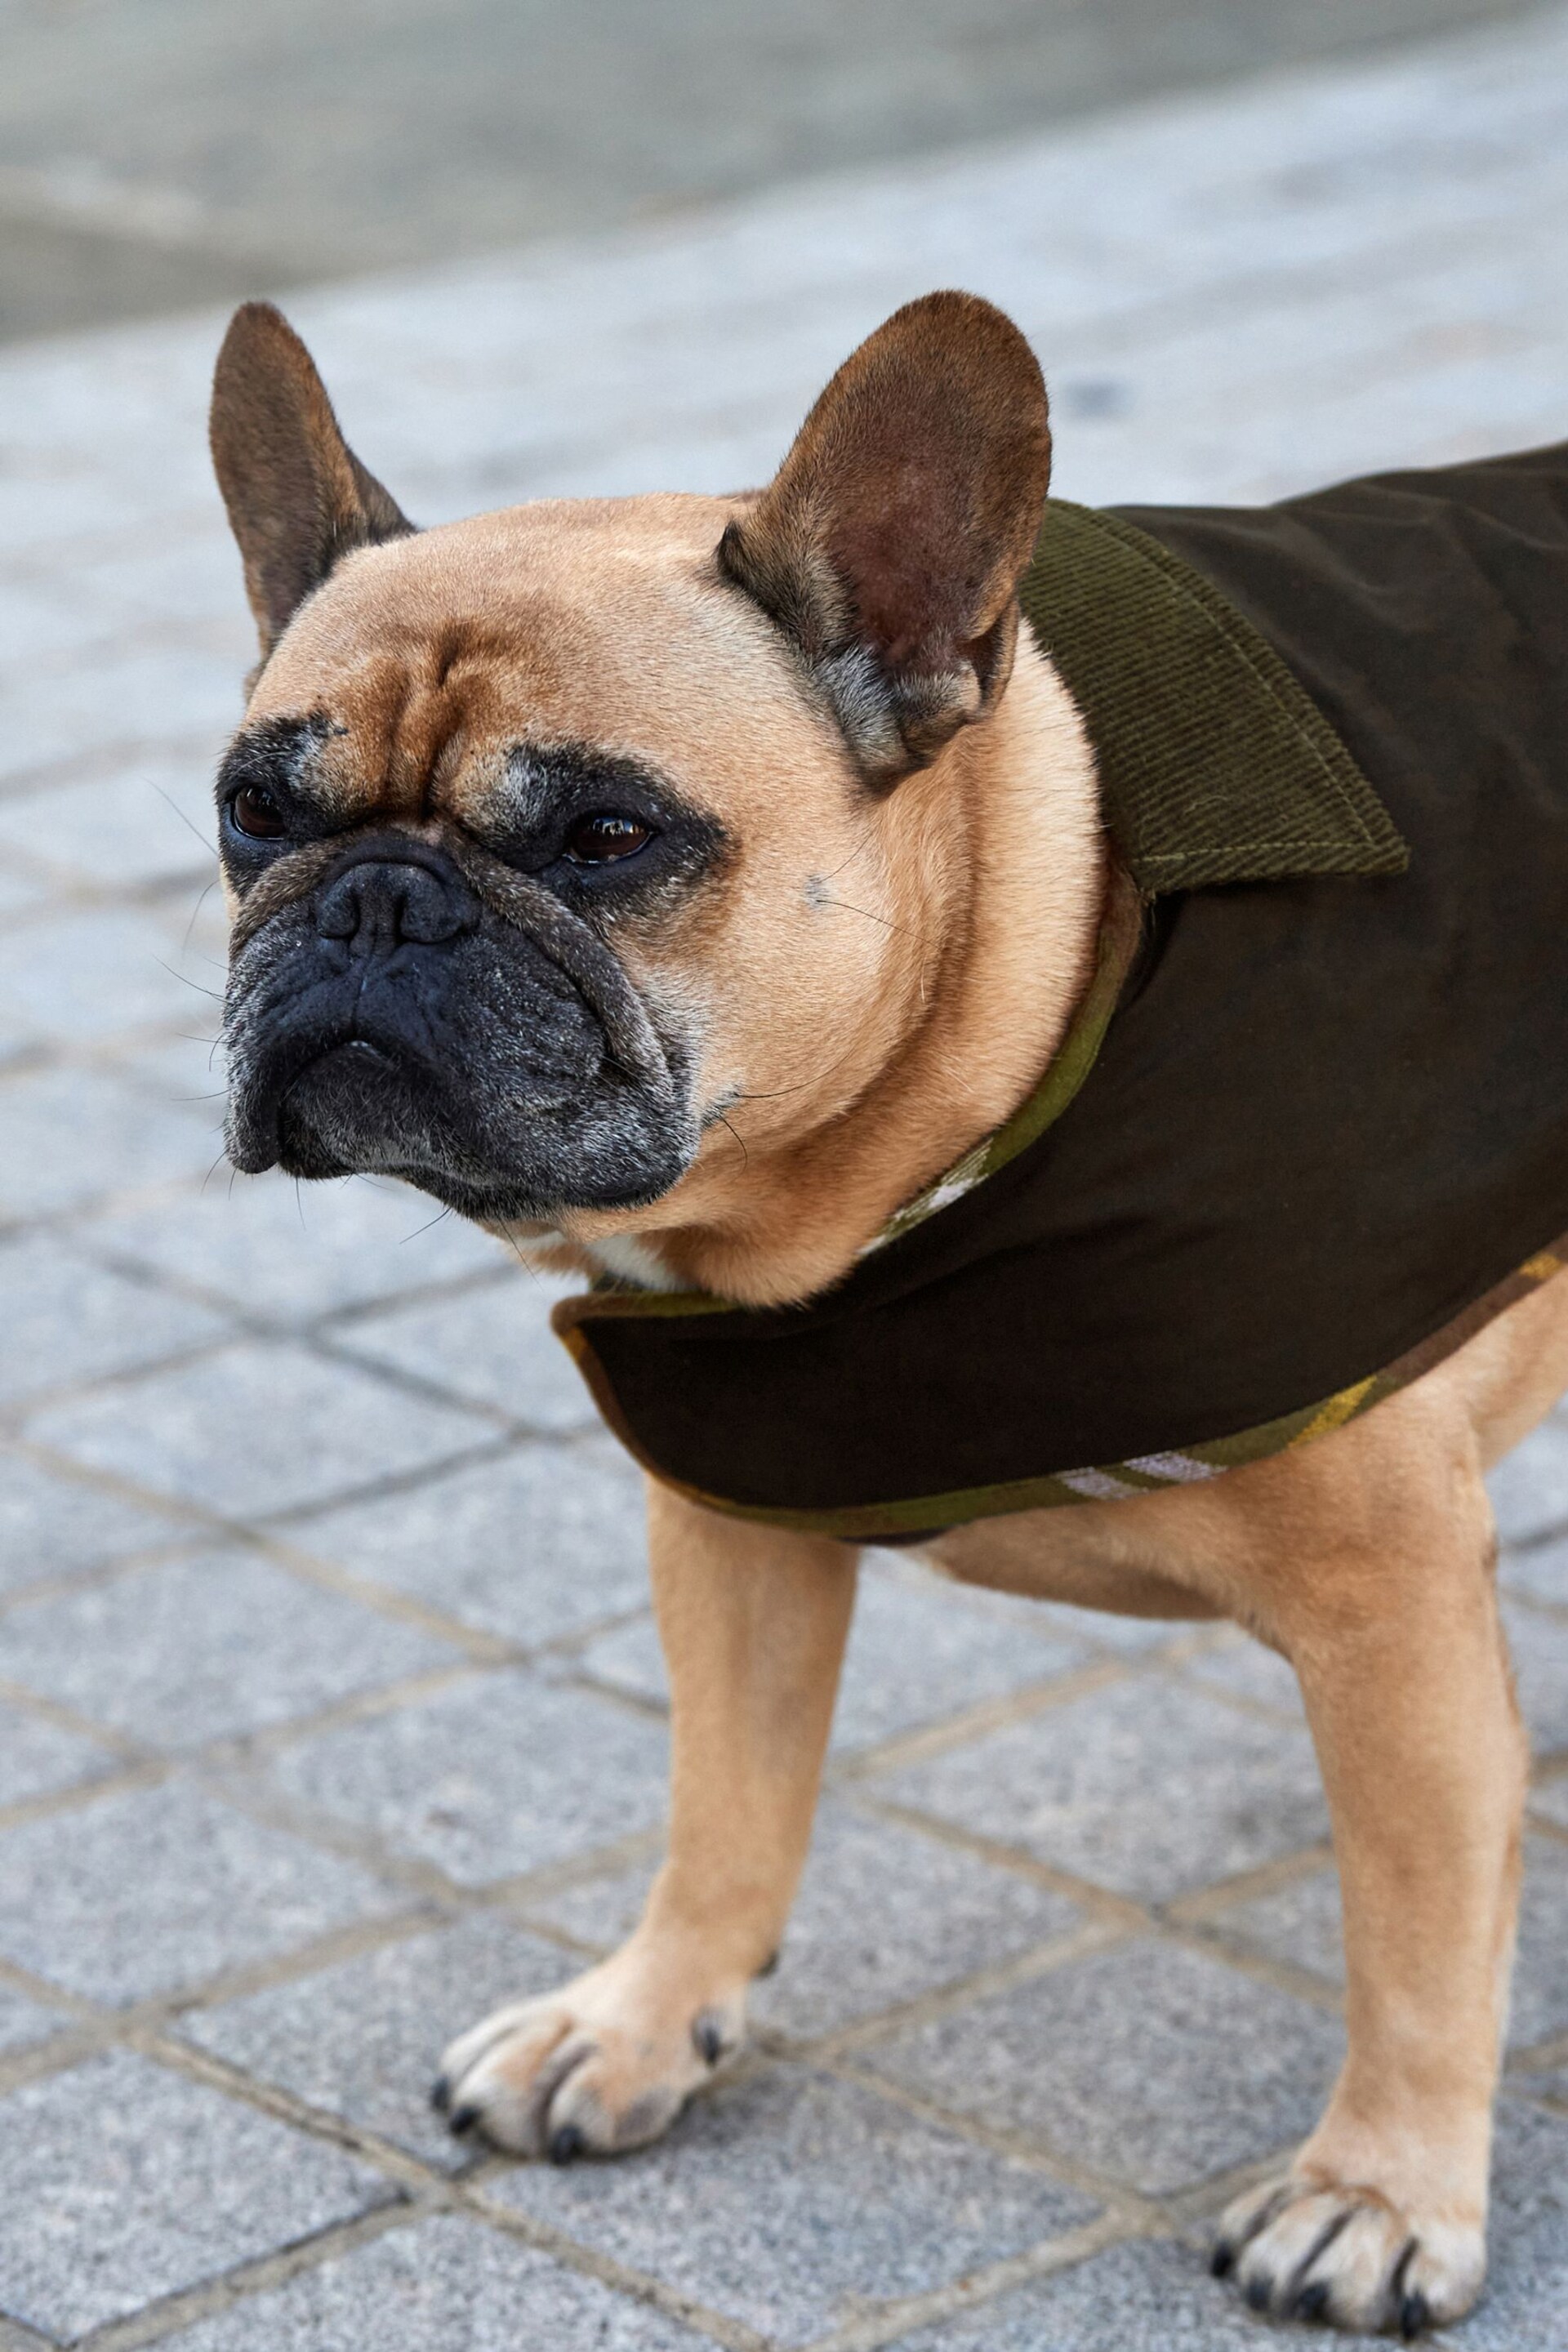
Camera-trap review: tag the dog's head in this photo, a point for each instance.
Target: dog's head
(535, 823)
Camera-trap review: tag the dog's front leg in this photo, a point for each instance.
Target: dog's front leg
(1380, 2220)
(754, 1626)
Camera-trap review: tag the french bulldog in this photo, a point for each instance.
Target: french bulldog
(677, 886)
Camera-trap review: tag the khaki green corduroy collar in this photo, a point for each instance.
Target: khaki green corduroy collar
(1214, 764)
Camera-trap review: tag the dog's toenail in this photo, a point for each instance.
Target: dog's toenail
(1414, 2315)
(1221, 2258)
(440, 2095)
(1259, 2290)
(1312, 2301)
(463, 2118)
(566, 2144)
(708, 2039)
(770, 1965)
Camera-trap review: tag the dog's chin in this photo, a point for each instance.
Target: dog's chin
(358, 1110)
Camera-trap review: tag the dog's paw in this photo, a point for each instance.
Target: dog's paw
(607, 2064)
(1345, 2256)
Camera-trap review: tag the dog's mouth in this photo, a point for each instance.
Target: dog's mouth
(505, 1067)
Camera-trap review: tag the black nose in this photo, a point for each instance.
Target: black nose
(377, 904)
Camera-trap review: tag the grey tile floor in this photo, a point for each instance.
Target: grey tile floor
(329, 1709)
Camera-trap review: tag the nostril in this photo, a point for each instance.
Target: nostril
(378, 904)
(338, 910)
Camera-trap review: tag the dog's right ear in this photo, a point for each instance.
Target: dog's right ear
(888, 547)
(297, 498)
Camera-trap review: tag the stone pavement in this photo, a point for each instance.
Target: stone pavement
(189, 152)
(331, 1709)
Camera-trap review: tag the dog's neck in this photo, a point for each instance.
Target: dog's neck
(993, 978)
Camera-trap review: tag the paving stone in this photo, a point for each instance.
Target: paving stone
(538, 1543)
(84, 975)
(1529, 1486)
(184, 1651)
(69, 710)
(69, 1136)
(1540, 1572)
(450, 2285)
(123, 2182)
(1141, 2297)
(37, 619)
(186, 1068)
(50, 1525)
(1151, 2062)
(883, 1914)
(1131, 1637)
(1540, 1647)
(1147, 1787)
(25, 2023)
(149, 1890)
(257, 1430)
(1525, 2306)
(790, 2201)
(151, 822)
(917, 1653)
(188, 576)
(20, 894)
(37, 1756)
(500, 1774)
(1549, 1798)
(1302, 1924)
(67, 1319)
(1540, 2009)
(1250, 1671)
(364, 2039)
(294, 1250)
(493, 1347)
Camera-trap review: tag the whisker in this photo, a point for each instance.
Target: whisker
(849, 908)
(740, 1138)
(195, 910)
(189, 823)
(217, 994)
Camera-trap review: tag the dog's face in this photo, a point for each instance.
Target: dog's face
(536, 824)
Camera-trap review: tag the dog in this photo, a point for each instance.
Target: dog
(536, 835)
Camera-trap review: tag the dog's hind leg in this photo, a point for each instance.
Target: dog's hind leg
(1390, 1618)
(754, 1624)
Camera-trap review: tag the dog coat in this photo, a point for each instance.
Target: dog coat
(1309, 1130)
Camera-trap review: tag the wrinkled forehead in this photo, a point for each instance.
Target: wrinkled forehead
(421, 667)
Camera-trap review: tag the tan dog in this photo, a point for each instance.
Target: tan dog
(531, 834)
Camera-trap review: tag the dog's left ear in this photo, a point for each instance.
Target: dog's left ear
(889, 546)
(297, 498)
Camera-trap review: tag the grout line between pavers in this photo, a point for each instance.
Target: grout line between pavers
(1037, 2152)
(16, 2337)
(930, 1739)
(66, 1717)
(209, 2297)
(1040, 1961)
(411, 2174)
(1100, 1902)
(732, 2333)
(1537, 2056)
(76, 1796)
(1280, 1976)
(1222, 1894)
(900, 2316)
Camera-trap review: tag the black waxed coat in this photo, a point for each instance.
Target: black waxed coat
(1330, 1111)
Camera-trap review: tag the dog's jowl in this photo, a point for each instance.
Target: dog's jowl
(1047, 1033)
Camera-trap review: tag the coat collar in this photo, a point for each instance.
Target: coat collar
(1214, 763)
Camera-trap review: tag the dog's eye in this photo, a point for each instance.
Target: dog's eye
(255, 812)
(600, 839)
